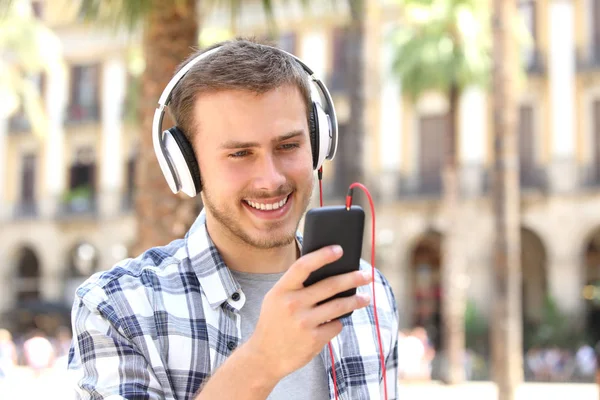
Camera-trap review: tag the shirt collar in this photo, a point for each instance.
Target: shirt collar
(214, 276)
(217, 282)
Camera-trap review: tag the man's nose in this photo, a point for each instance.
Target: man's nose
(269, 174)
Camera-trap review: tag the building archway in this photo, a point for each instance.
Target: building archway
(27, 275)
(534, 285)
(591, 288)
(425, 285)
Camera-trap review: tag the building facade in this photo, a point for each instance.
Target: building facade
(65, 199)
(66, 196)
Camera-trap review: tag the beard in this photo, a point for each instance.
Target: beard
(276, 234)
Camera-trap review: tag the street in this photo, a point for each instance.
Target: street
(53, 385)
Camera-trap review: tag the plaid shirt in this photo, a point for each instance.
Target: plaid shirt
(158, 326)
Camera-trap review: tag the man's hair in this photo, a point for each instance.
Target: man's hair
(240, 64)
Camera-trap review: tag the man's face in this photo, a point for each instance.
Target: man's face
(256, 163)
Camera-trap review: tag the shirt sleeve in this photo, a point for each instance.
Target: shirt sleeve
(391, 361)
(103, 362)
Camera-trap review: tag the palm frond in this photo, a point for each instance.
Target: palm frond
(441, 44)
(117, 13)
(28, 48)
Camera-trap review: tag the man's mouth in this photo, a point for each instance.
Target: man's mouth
(269, 205)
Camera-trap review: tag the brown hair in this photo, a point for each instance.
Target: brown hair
(239, 64)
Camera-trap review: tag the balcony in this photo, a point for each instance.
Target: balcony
(18, 124)
(420, 186)
(336, 82)
(128, 202)
(534, 61)
(78, 202)
(589, 176)
(25, 209)
(533, 178)
(78, 113)
(588, 59)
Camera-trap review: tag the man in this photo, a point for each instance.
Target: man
(223, 313)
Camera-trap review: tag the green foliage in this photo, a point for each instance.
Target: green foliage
(441, 44)
(78, 194)
(555, 328)
(27, 48)
(476, 329)
(131, 13)
(117, 13)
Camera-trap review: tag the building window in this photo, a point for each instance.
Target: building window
(527, 11)
(594, 174)
(595, 30)
(37, 8)
(80, 197)
(27, 204)
(337, 79)
(528, 173)
(85, 102)
(433, 135)
(129, 195)
(19, 121)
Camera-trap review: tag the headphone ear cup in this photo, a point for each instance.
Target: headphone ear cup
(322, 137)
(191, 164)
(313, 131)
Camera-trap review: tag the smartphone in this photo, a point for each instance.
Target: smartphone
(325, 226)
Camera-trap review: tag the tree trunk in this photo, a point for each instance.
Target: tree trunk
(453, 304)
(170, 33)
(506, 338)
(355, 84)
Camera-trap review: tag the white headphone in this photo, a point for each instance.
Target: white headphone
(175, 153)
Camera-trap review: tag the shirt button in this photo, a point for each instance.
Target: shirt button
(231, 346)
(235, 296)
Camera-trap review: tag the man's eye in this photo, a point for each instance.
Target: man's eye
(290, 146)
(239, 154)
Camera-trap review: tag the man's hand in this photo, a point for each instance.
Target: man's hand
(292, 329)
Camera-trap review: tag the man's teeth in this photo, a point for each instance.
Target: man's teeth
(268, 207)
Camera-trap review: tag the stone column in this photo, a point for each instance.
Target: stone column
(4, 209)
(562, 173)
(54, 158)
(114, 82)
(473, 133)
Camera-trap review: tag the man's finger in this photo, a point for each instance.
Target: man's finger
(336, 308)
(333, 285)
(302, 268)
(329, 330)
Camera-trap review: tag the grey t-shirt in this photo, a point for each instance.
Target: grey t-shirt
(307, 382)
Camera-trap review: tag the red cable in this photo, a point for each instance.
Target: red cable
(335, 391)
(348, 205)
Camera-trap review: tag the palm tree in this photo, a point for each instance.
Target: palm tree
(29, 49)
(170, 32)
(507, 359)
(441, 46)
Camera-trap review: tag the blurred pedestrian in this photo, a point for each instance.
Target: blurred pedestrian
(598, 365)
(8, 353)
(39, 353)
(62, 343)
(585, 359)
